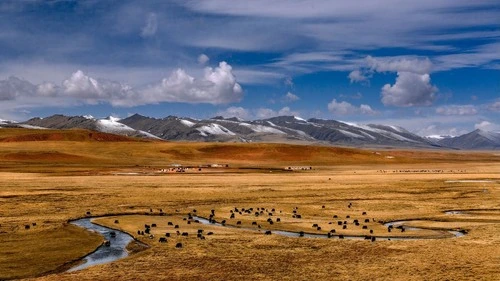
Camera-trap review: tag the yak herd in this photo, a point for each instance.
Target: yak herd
(272, 216)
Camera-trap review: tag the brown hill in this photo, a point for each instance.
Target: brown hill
(26, 135)
(46, 150)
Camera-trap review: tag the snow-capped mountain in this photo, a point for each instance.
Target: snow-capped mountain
(14, 124)
(282, 128)
(276, 129)
(478, 139)
(6, 122)
(107, 125)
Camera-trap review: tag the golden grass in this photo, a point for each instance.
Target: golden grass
(90, 183)
(25, 253)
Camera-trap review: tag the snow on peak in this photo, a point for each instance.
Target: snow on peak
(299, 119)
(187, 123)
(113, 119)
(3, 122)
(88, 116)
(214, 129)
(262, 129)
(26, 126)
(351, 134)
(493, 136)
(437, 137)
(384, 132)
(397, 129)
(353, 124)
(271, 123)
(111, 125)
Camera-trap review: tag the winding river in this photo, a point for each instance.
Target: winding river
(355, 237)
(116, 250)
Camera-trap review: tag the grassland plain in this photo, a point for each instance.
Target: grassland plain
(51, 181)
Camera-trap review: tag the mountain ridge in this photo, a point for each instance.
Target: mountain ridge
(286, 129)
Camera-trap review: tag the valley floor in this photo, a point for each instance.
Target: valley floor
(134, 195)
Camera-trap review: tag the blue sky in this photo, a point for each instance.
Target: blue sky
(432, 67)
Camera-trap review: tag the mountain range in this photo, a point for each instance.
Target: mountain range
(288, 129)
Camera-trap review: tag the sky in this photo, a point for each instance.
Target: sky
(430, 66)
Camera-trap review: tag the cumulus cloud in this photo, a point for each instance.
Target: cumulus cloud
(494, 106)
(150, 27)
(263, 113)
(399, 64)
(345, 108)
(13, 87)
(217, 86)
(457, 110)
(203, 59)
(486, 126)
(93, 91)
(287, 111)
(412, 86)
(235, 111)
(410, 89)
(357, 76)
(290, 97)
(367, 110)
(47, 89)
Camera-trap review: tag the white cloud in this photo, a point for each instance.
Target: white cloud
(287, 111)
(290, 97)
(410, 89)
(399, 64)
(263, 113)
(311, 57)
(366, 109)
(457, 110)
(252, 76)
(436, 130)
(357, 76)
(494, 106)
(13, 87)
(47, 89)
(430, 124)
(93, 91)
(356, 96)
(345, 108)
(150, 27)
(486, 126)
(203, 59)
(234, 111)
(218, 86)
(483, 55)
